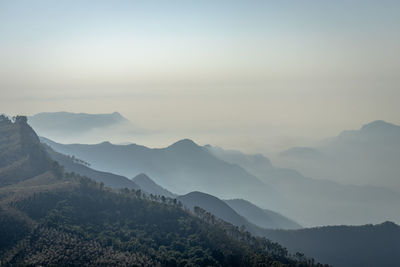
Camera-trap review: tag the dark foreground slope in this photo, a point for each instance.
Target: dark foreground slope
(88, 225)
(21, 155)
(342, 246)
(50, 218)
(345, 246)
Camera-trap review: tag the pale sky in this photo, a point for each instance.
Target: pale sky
(251, 75)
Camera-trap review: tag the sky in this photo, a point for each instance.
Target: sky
(250, 75)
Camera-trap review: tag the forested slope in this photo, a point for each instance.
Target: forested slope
(52, 218)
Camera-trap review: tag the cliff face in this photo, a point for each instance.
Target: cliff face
(21, 154)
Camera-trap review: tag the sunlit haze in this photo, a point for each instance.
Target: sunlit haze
(252, 75)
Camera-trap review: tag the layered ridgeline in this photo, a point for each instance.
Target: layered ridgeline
(314, 202)
(254, 219)
(75, 127)
(52, 218)
(370, 245)
(185, 167)
(342, 246)
(181, 168)
(78, 166)
(49, 218)
(148, 185)
(262, 218)
(81, 167)
(368, 156)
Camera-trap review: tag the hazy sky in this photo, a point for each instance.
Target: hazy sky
(253, 75)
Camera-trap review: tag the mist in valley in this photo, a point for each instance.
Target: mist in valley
(199, 133)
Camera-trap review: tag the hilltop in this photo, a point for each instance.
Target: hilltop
(49, 217)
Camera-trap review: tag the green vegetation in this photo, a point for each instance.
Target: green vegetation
(21, 155)
(52, 218)
(87, 224)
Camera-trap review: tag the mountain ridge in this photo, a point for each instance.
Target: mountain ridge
(63, 219)
(181, 168)
(149, 186)
(76, 166)
(263, 218)
(345, 245)
(21, 154)
(367, 156)
(336, 203)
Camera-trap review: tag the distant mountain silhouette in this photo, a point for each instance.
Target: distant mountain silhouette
(368, 156)
(149, 186)
(141, 181)
(181, 168)
(345, 246)
(109, 179)
(318, 202)
(380, 126)
(219, 208)
(264, 218)
(234, 212)
(249, 162)
(82, 127)
(185, 167)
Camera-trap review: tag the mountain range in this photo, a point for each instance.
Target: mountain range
(181, 168)
(53, 218)
(314, 202)
(368, 156)
(148, 185)
(266, 218)
(263, 218)
(74, 165)
(185, 166)
(239, 212)
(48, 215)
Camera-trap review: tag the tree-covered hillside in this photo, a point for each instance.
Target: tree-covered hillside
(345, 246)
(21, 155)
(126, 228)
(52, 218)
